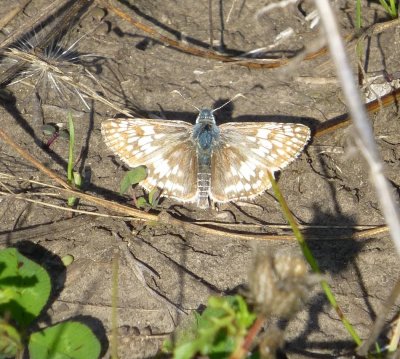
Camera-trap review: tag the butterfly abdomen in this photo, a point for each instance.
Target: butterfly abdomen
(205, 135)
(203, 177)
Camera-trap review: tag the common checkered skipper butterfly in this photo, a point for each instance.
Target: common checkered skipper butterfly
(202, 162)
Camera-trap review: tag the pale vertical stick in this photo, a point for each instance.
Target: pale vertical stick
(365, 137)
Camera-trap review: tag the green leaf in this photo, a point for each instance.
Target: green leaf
(132, 177)
(49, 129)
(141, 202)
(154, 197)
(67, 340)
(26, 285)
(10, 340)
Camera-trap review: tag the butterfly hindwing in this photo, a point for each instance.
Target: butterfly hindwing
(247, 151)
(164, 147)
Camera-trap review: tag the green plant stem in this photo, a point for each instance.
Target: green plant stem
(359, 46)
(72, 178)
(311, 260)
(70, 167)
(358, 15)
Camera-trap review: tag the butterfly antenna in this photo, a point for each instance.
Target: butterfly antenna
(231, 100)
(186, 100)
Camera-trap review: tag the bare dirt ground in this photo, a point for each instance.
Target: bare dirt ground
(166, 271)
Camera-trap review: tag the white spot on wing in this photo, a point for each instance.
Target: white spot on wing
(145, 139)
(233, 170)
(157, 136)
(148, 130)
(132, 139)
(239, 187)
(246, 171)
(263, 133)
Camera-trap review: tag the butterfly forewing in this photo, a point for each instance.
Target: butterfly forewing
(164, 147)
(246, 152)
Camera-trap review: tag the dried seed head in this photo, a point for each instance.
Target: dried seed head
(272, 340)
(279, 285)
(55, 69)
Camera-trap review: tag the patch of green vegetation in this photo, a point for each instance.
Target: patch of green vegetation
(390, 6)
(215, 333)
(133, 177)
(25, 289)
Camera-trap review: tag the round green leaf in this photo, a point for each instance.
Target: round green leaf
(68, 340)
(132, 177)
(49, 129)
(27, 285)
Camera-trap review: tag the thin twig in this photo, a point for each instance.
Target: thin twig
(67, 209)
(345, 121)
(365, 138)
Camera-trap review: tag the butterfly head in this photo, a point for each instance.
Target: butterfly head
(206, 116)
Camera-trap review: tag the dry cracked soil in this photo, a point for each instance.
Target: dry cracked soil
(167, 271)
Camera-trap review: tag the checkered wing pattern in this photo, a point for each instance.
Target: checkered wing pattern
(164, 147)
(247, 151)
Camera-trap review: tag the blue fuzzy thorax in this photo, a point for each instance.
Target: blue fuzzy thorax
(205, 134)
